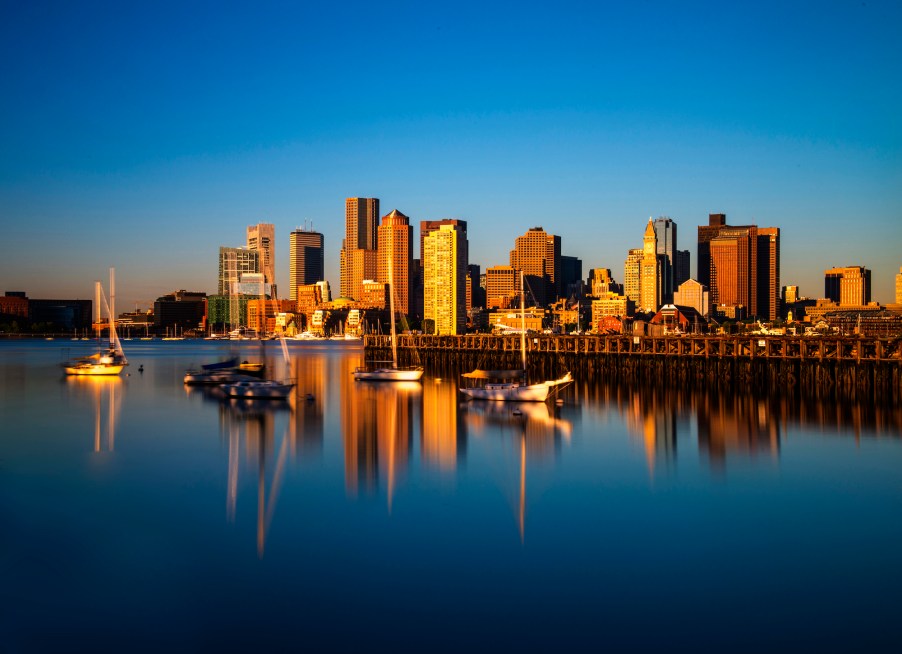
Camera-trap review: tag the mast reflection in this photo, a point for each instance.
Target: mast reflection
(377, 425)
(535, 428)
(105, 395)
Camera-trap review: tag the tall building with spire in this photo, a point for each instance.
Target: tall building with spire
(651, 271)
(445, 278)
(262, 238)
(306, 260)
(395, 238)
(538, 255)
(358, 249)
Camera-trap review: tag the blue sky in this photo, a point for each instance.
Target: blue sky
(146, 136)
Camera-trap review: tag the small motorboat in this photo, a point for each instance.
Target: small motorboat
(259, 389)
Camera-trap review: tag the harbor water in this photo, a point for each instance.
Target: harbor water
(139, 514)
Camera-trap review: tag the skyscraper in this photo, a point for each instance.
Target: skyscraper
(899, 286)
(396, 245)
(631, 274)
(502, 283)
(849, 286)
(262, 238)
(445, 278)
(538, 255)
(666, 237)
(651, 271)
(234, 262)
(749, 273)
(306, 260)
(361, 223)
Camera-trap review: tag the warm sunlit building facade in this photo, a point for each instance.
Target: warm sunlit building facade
(631, 274)
(651, 271)
(445, 278)
(502, 285)
(262, 238)
(538, 255)
(306, 260)
(849, 286)
(361, 223)
(395, 257)
(693, 294)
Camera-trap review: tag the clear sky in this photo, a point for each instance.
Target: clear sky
(145, 135)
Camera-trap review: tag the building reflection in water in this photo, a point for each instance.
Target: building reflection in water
(105, 395)
(309, 373)
(535, 428)
(443, 437)
(377, 426)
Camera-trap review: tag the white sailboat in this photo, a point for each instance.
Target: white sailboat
(511, 385)
(113, 360)
(412, 373)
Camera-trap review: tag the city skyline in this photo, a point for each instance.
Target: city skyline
(118, 137)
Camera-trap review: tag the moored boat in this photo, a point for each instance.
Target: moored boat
(259, 389)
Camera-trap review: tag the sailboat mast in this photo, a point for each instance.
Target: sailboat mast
(391, 300)
(97, 308)
(523, 321)
(112, 306)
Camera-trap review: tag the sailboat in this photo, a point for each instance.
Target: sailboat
(413, 373)
(113, 360)
(511, 385)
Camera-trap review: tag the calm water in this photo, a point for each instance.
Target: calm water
(139, 514)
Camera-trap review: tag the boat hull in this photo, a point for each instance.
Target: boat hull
(389, 374)
(95, 369)
(258, 390)
(515, 392)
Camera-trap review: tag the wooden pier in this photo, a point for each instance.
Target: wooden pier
(856, 366)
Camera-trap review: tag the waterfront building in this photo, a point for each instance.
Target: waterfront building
(361, 224)
(61, 314)
(538, 255)
(899, 286)
(693, 294)
(309, 298)
(262, 238)
(396, 243)
(262, 315)
(849, 286)
(325, 291)
(179, 311)
(306, 260)
(502, 285)
(234, 262)
(769, 273)
(610, 304)
(631, 274)
(14, 304)
(375, 294)
(445, 279)
(716, 221)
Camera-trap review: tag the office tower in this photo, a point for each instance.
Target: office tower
(601, 281)
(477, 286)
(790, 294)
(769, 273)
(681, 261)
(306, 260)
(538, 255)
(849, 286)
(734, 268)
(395, 238)
(666, 239)
(234, 262)
(571, 275)
(262, 238)
(444, 279)
(361, 223)
(417, 280)
(693, 294)
(650, 271)
(755, 284)
(899, 286)
(631, 274)
(716, 221)
(502, 284)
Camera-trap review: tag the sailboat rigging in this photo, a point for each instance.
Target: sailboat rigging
(413, 373)
(511, 385)
(113, 360)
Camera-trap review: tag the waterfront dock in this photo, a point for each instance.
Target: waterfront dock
(823, 364)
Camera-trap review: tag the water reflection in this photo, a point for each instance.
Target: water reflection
(104, 394)
(443, 433)
(536, 429)
(377, 432)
